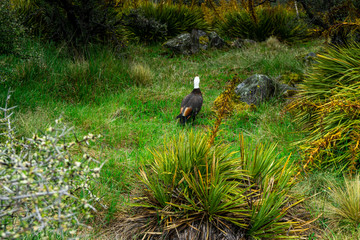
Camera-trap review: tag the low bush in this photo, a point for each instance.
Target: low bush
(45, 185)
(268, 21)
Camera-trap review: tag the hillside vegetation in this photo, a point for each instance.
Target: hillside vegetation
(96, 144)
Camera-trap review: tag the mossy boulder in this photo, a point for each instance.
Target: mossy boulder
(180, 44)
(259, 88)
(191, 43)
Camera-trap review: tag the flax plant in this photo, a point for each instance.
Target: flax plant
(190, 185)
(263, 22)
(270, 201)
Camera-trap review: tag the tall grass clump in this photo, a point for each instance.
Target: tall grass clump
(158, 22)
(45, 186)
(141, 74)
(328, 108)
(271, 202)
(268, 21)
(344, 209)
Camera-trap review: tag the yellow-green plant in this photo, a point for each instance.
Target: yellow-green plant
(273, 178)
(191, 185)
(141, 74)
(193, 189)
(328, 108)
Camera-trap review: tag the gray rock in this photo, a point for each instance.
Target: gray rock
(199, 40)
(239, 43)
(216, 41)
(310, 58)
(187, 43)
(180, 44)
(249, 42)
(259, 88)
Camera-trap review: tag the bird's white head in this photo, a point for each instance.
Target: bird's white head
(196, 82)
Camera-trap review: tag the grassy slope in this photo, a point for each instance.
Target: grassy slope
(134, 118)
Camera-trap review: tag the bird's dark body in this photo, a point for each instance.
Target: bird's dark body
(190, 106)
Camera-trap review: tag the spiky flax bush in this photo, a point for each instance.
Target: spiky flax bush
(268, 21)
(195, 189)
(44, 186)
(158, 22)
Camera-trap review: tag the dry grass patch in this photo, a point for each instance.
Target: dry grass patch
(141, 74)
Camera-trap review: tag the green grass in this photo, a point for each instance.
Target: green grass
(96, 94)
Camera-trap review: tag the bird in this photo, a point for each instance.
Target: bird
(191, 104)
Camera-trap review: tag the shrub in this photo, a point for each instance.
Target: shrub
(165, 20)
(328, 108)
(44, 187)
(273, 177)
(269, 21)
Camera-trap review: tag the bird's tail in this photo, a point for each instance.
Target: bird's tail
(182, 119)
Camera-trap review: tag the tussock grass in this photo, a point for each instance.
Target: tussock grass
(345, 208)
(141, 74)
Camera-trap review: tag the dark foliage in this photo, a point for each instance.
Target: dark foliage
(145, 29)
(11, 31)
(165, 20)
(325, 13)
(265, 22)
(76, 22)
